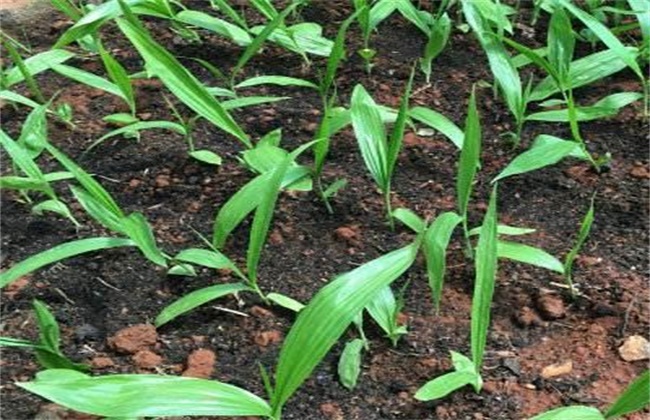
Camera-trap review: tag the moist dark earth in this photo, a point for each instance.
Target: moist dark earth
(535, 323)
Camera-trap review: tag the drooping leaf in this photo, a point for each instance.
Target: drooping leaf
(285, 302)
(37, 64)
(195, 299)
(216, 25)
(58, 253)
(606, 107)
(276, 80)
(438, 122)
(410, 219)
(136, 227)
(144, 395)
(529, 255)
(539, 156)
(206, 156)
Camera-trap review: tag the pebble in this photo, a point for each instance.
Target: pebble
(347, 234)
(146, 359)
(102, 362)
(551, 307)
(331, 411)
(526, 317)
(635, 348)
(557, 369)
(426, 132)
(133, 339)
(200, 364)
(265, 338)
(260, 312)
(163, 181)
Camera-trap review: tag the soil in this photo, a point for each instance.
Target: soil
(534, 322)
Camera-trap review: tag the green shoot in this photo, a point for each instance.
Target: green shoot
(46, 348)
(585, 228)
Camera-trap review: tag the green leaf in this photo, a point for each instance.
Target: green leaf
(606, 107)
(379, 12)
(205, 258)
(89, 79)
(263, 217)
(584, 71)
(119, 76)
(561, 43)
(438, 38)
(635, 397)
(539, 156)
(17, 98)
(197, 298)
(371, 135)
(336, 56)
(276, 80)
(33, 134)
(504, 230)
(465, 374)
(37, 64)
(259, 40)
(58, 253)
(183, 84)
(251, 101)
(219, 26)
(182, 270)
(529, 255)
(285, 302)
(572, 412)
(410, 219)
(444, 385)
(206, 156)
(383, 309)
(436, 241)
(136, 227)
(144, 395)
(606, 36)
(350, 363)
(22, 183)
(397, 134)
(486, 270)
(54, 206)
(21, 158)
(503, 70)
(585, 228)
(438, 122)
(643, 17)
(97, 211)
(92, 186)
(328, 314)
(120, 119)
(469, 157)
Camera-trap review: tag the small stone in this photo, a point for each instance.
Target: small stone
(640, 172)
(331, 411)
(260, 312)
(275, 238)
(133, 339)
(557, 369)
(426, 132)
(86, 332)
(200, 364)
(530, 386)
(16, 286)
(526, 317)
(101, 362)
(265, 338)
(551, 307)
(146, 359)
(347, 234)
(411, 140)
(163, 181)
(634, 348)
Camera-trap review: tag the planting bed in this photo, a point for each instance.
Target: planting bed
(535, 323)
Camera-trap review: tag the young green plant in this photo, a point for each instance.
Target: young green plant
(379, 152)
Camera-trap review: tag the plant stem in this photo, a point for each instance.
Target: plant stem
(389, 210)
(575, 128)
(29, 79)
(321, 193)
(469, 251)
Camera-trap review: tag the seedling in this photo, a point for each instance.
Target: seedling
(585, 228)
(379, 153)
(46, 348)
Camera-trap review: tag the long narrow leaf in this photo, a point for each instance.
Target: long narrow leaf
(129, 396)
(486, 270)
(529, 255)
(635, 397)
(469, 157)
(58, 253)
(328, 314)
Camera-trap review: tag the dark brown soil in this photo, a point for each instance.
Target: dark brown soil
(95, 296)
